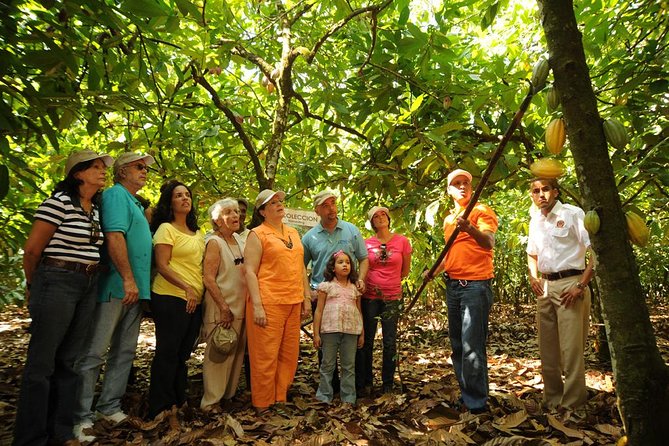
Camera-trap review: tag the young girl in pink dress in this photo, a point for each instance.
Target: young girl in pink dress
(338, 326)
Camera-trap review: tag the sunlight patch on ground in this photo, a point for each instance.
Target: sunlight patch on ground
(13, 324)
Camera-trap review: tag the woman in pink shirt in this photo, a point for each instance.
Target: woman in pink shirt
(389, 262)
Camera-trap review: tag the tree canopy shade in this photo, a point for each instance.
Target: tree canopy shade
(379, 99)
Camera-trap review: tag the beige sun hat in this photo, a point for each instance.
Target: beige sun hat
(320, 197)
(373, 211)
(131, 157)
(266, 194)
(82, 156)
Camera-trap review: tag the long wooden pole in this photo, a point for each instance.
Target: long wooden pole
(477, 193)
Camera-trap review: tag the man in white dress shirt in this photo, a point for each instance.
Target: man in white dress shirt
(559, 276)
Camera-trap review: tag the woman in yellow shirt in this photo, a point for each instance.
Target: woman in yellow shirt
(176, 294)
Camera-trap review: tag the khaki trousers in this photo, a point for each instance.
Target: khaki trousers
(562, 341)
(273, 351)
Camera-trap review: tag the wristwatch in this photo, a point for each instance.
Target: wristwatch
(580, 285)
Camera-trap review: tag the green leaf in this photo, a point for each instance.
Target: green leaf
(489, 16)
(187, 8)
(145, 8)
(416, 103)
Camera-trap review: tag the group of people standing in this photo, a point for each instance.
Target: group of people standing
(85, 301)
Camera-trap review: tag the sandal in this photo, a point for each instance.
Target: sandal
(262, 411)
(281, 409)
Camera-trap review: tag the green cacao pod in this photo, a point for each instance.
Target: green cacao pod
(555, 136)
(547, 168)
(540, 74)
(552, 98)
(591, 222)
(636, 229)
(615, 133)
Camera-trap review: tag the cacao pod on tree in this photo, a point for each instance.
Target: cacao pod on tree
(591, 222)
(552, 98)
(615, 133)
(547, 168)
(540, 74)
(555, 136)
(636, 229)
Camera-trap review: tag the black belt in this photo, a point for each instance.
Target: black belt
(562, 274)
(85, 268)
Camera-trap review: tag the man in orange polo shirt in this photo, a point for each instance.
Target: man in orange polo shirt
(468, 270)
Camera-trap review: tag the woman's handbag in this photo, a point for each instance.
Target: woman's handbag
(223, 340)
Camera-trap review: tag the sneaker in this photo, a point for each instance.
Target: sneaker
(78, 431)
(115, 418)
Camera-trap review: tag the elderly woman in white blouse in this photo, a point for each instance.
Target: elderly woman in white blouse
(224, 301)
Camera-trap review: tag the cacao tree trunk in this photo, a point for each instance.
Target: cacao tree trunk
(642, 377)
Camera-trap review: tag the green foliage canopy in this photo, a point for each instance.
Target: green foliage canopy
(379, 99)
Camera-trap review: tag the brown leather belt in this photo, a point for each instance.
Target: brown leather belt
(562, 274)
(85, 268)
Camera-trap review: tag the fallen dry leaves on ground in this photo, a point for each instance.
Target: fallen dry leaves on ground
(424, 413)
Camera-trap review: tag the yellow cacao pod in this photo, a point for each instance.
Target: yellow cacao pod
(547, 168)
(615, 133)
(540, 74)
(555, 136)
(637, 229)
(591, 222)
(552, 98)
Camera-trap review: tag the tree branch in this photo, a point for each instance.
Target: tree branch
(246, 142)
(339, 25)
(405, 79)
(309, 114)
(373, 45)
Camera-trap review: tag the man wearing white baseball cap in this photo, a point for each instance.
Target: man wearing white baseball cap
(330, 235)
(468, 269)
(113, 333)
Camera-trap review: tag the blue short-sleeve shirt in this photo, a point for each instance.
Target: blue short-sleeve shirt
(319, 245)
(121, 212)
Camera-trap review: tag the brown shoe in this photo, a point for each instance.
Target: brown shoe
(72, 442)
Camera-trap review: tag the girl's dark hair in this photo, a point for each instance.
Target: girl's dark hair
(163, 211)
(329, 272)
(70, 185)
(257, 219)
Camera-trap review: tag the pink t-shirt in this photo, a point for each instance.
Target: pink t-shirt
(384, 277)
(340, 314)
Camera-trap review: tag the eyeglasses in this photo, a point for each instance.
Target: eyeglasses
(384, 253)
(141, 167)
(239, 260)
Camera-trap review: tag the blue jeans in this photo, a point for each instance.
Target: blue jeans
(113, 340)
(469, 304)
(373, 311)
(346, 345)
(176, 333)
(61, 307)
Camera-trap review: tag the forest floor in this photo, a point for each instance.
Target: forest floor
(424, 413)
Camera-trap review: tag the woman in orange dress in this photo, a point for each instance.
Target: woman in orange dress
(278, 298)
